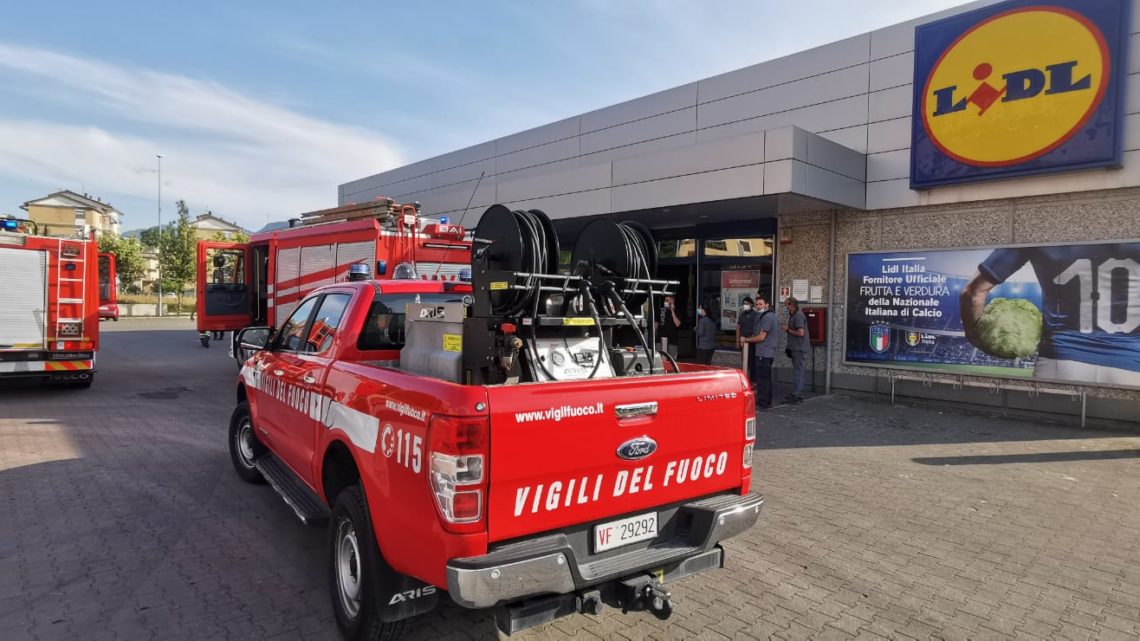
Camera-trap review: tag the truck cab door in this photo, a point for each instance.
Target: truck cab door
(303, 364)
(225, 294)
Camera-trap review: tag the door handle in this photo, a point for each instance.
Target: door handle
(278, 372)
(309, 379)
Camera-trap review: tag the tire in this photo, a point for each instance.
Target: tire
(84, 384)
(244, 446)
(353, 568)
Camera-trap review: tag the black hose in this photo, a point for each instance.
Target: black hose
(640, 337)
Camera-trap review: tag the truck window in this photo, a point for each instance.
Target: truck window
(289, 338)
(326, 322)
(384, 327)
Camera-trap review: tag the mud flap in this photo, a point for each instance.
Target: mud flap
(401, 596)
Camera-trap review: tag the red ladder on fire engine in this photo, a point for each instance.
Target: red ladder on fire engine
(71, 252)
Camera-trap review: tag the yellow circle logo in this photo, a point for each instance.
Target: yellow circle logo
(1016, 86)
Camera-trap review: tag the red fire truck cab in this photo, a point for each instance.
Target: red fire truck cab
(49, 304)
(260, 282)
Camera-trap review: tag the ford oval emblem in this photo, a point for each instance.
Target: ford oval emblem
(636, 449)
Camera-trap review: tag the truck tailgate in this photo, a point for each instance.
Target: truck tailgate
(576, 452)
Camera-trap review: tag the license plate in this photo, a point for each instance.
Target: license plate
(608, 536)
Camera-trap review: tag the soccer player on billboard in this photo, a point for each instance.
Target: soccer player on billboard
(1089, 324)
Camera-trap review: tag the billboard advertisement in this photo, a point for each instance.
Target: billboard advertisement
(1065, 313)
(1019, 88)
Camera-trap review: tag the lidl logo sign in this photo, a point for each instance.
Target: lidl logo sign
(1018, 88)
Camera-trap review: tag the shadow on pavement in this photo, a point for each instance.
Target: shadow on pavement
(842, 420)
(1037, 457)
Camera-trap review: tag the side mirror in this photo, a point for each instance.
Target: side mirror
(253, 339)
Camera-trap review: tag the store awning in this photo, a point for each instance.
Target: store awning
(773, 173)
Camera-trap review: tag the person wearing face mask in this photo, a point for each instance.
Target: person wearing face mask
(669, 322)
(746, 328)
(706, 335)
(766, 342)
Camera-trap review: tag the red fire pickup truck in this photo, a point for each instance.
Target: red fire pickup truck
(542, 499)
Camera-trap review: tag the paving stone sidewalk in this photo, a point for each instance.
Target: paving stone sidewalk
(120, 518)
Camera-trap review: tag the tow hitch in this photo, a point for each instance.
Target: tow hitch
(645, 593)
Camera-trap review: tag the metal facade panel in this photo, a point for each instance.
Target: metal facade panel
(890, 103)
(23, 297)
(825, 88)
(538, 155)
(661, 126)
(639, 108)
(465, 156)
(456, 175)
(836, 188)
(888, 135)
(585, 203)
(732, 152)
(888, 165)
(893, 71)
(594, 176)
(545, 134)
(839, 114)
(650, 146)
(798, 66)
(696, 188)
(854, 138)
(834, 157)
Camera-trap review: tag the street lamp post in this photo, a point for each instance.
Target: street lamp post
(158, 249)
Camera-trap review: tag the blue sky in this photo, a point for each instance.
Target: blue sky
(262, 108)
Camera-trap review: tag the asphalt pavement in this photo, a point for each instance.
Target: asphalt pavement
(120, 518)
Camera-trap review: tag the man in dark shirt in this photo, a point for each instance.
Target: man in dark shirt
(746, 329)
(799, 345)
(669, 322)
(765, 341)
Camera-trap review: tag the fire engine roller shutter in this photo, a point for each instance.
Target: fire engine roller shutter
(349, 253)
(23, 297)
(317, 262)
(288, 272)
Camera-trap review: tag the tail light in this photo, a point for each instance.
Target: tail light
(457, 456)
(749, 441)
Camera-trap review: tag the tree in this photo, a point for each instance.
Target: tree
(129, 262)
(150, 237)
(179, 253)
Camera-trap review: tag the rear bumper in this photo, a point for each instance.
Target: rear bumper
(38, 363)
(550, 565)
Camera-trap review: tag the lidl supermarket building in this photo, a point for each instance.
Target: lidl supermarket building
(955, 200)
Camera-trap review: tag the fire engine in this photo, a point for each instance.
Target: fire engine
(49, 305)
(260, 282)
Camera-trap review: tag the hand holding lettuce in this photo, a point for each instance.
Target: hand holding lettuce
(1008, 328)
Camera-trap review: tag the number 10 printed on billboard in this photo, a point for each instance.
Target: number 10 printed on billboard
(1067, 313)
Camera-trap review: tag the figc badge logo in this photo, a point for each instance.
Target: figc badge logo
(1014, 91)
(880, 338)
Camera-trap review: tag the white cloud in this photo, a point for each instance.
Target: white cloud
(240, 156)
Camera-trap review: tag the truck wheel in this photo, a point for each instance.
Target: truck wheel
(353, 570)
(84, 383)
(244, 446)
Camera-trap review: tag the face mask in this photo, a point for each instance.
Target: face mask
(700, 312)
(746, 307)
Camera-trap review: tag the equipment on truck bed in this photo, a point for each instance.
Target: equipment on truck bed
(529, 322)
